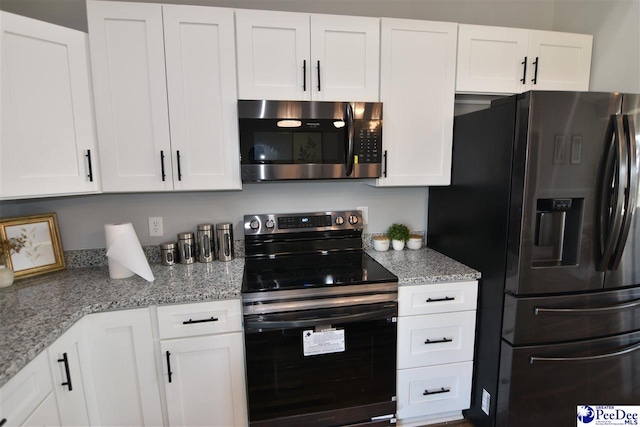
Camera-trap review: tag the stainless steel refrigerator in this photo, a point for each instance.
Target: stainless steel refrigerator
(542, 203)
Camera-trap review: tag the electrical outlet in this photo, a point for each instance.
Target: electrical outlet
(155, 226)
(365, 214)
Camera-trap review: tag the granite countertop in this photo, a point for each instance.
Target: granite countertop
(35, 312)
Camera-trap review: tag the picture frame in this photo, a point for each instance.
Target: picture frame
(42, 252)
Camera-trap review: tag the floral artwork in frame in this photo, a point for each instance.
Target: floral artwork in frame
(42, 249)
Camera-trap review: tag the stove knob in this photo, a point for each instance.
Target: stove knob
(339, 220)
(254, 224)
(353, 219)
(269, 224)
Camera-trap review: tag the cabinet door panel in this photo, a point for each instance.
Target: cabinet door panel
(490, 59)
(272, 48)
(207, 383)
(123, 365)
(201, 82)
(348, 49)
(564, 60)
(417, 91)
(45, 415)
(127, 56)
(47, 116)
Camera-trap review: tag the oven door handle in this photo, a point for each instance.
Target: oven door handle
(257, 322)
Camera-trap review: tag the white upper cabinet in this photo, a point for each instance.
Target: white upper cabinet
(160, 130)
(512, 60)
(417, 85)
(48, 140)
(296, 56)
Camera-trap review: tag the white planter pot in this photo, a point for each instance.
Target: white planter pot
(398, 245)
(6, 276)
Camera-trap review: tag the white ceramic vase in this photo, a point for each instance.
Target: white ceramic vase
(6, 276)
(398, 245)
(381, 243)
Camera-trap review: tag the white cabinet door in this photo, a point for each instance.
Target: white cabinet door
(47, 113)
(69, 359)
(417, 83)
(273, 55)
(204, 380)
(22, 396)
(127, 57)
(201, 82)
(492, 59)
(123, 368)
(45, 415)
(561, 61)
(345, 58)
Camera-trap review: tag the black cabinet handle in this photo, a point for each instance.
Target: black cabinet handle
(189, 322)
(304, 75)
(319, 76)
(169, 373)
(384, 172)
(535, 72)
(524, 71)
(440, 299)
(428, 341)
(3, 422)
(442, 390)
(179, 169)
(162, 164)
(65, 360)
(88, 156)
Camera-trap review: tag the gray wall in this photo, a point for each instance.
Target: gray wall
(81, 219)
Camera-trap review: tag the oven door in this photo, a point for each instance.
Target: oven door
(346, 377)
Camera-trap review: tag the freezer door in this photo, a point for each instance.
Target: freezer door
(543, 385)
(561, 318)
(557, 154)
(625, 271)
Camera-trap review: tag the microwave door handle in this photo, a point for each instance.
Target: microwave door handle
(348, 111)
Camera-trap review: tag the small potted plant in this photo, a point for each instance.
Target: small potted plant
(8, 247)
(399, 234)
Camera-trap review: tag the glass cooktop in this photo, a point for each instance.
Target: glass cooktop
(312, 271)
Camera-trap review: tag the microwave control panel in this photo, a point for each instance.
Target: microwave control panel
(368, 141)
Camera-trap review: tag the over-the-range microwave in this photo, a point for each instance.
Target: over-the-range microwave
(299, 140)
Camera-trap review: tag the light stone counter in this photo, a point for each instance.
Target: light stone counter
(35, 312)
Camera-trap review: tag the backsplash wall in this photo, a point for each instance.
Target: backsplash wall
(81, 219)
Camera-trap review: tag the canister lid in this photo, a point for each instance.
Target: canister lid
(168, 245)
(224, 226)
(205, 227)
(184, 236)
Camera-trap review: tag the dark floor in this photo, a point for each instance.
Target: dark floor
(459, 423)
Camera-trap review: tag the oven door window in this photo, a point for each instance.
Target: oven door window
(263, 142)
(283, 382)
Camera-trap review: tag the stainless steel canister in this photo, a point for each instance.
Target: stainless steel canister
(224, 234)
(206, 246)
(168, 253)
(186, 248)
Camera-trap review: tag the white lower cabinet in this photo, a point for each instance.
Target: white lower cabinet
(203, 372)
(123, 368)
(436, 332)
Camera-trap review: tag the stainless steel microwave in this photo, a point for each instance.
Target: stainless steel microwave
(299, 140)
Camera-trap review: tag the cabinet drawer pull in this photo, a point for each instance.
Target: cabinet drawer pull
(88, 156)
(3, 422)
(190, 322)
(428, 341)
(304, 75)
(65, 360)
(535, 72)
(179, 169)
(524, 71)
(318, 76)
(162, 164)
(384, 172)
(442, 390)
(169, 373)
(440, 299)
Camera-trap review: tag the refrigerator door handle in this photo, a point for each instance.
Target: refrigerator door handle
(632, 189)
(612, 197)
(622, 352)
(596, 310)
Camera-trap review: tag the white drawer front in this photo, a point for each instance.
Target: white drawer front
(435, 339)
(203, 318)
(434, 390)
(437, 298)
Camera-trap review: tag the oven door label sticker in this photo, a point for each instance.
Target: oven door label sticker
(323, 342)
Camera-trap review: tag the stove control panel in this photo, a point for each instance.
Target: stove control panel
(300, 222)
